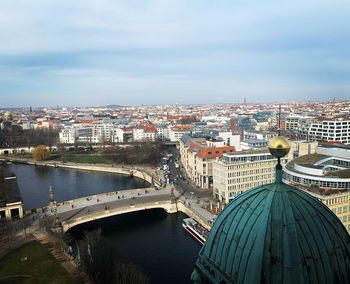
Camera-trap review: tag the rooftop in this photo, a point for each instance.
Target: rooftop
(339, 174)
(264, 236)
(307, 159)
(259, 151)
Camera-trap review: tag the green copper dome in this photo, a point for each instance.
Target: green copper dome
(276, 234)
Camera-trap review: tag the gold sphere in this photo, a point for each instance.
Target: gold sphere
(279, 146)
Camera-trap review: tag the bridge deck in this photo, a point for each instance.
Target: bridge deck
(91, 205)
(96, 207)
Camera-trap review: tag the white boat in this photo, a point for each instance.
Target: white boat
(195, 229)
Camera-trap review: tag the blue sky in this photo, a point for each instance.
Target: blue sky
(83, 53)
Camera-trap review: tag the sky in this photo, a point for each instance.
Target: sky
(133, 52)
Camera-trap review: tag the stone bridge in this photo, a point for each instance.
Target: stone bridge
(73, 212)
(82, 210)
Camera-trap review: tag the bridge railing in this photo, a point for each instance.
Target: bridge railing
(104, 195)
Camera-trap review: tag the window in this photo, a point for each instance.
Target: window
(339, 210)
(345, 218)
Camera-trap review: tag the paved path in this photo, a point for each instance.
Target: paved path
(196, 207)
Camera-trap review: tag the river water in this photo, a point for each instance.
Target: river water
(151, 239)
(34, 182)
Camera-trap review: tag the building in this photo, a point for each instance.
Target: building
(147, 132)
(292, 122)
(176, 132)
(326, 131)
(253, 144)
(237, 172)
(124, 134)
(11, 205)
(197, 156)
(300, 148)
(226, 136)
(163, 132)
(325, 175)
(71, 135)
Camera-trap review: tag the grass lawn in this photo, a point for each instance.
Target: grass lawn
(40, 266)
(87, 158)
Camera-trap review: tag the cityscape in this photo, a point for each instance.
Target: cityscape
(197, 157)
(174, 142)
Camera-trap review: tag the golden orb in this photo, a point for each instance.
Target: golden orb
(279, 146)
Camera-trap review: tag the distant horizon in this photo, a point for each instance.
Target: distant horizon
(156, 52)
(153, 105)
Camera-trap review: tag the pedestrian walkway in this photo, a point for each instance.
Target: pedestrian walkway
(107, 198)
(196, 207)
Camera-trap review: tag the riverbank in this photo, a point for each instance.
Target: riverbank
(191, 206)
(148, 174)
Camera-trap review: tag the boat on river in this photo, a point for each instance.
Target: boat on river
(195, 229)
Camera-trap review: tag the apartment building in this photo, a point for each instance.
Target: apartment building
(326, 176)
(292, 122)
(124, 134)
(176, 132)
(326, 131)
(197, 156)
(240, 171)
(163, 132)
(71, 135)
(300, 148)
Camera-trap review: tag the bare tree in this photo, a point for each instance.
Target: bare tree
(97, 261)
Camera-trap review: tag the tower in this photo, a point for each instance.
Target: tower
(177, 109)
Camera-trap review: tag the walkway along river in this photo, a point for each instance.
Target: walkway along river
(152, 239)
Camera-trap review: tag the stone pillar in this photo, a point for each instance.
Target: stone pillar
(8, 213)
(20, 213)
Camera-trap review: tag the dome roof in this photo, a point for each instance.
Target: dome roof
(276, 234)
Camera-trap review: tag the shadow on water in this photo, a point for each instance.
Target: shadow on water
(152, 239)
(42, 171)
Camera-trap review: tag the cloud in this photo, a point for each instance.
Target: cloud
(137, 51)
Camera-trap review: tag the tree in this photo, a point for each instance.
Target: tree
(96, 260)
(40, 153)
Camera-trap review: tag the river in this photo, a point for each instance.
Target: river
(153, 239)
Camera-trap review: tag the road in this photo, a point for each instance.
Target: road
(187, 188)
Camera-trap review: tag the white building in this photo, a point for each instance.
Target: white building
(230, 139)
(163, 131)
(176, 132)
(240, 171)
(71, 135)
(326, 131)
